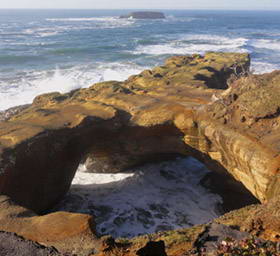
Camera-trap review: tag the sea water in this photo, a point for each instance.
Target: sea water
(60, 50)
(150, 198)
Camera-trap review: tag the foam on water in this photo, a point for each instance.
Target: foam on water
(43, 40)
(147, 199)
(267, 44)
(24, 88)
(100, 22)
(42, 32)
(190, 44)
(259, 67)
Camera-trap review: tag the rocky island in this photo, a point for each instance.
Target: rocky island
(144, 15)
(210, 107)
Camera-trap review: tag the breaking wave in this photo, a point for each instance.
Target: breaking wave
(259, 67)
(24, 87)
(99, 22)
(195, 44)
(267, 44)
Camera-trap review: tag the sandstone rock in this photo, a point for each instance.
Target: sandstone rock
(144, 15)
(260, 220)
(209, 71)
(167, 110)
(8, 113)
(178, 108)
(69, 233)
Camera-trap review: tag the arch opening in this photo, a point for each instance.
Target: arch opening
(158, 196)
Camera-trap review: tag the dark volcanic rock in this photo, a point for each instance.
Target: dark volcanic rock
(13, 245)
(144, 15)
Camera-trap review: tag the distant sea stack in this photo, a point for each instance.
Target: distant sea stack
(144, 15)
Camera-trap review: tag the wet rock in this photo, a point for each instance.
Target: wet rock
(159, 208)
(145, 217)
(119, 221)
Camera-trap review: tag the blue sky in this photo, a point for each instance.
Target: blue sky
(145, 4)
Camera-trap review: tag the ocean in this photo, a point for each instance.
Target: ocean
(60, 50)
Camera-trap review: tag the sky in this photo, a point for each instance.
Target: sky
(145, 4)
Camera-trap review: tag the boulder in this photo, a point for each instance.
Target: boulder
(144, 15)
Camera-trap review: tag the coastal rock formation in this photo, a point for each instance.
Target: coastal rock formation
(61, 230)
(208, 107)
(120, 124)
(144, 15)
(5, 115)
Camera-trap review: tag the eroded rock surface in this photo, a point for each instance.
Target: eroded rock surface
(167, 110)
(70, 233)
(157, 112)
(204, 106)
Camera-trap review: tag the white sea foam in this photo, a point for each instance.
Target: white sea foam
(259, 67)
(99, 22)
(267, 44)
(43, 32)
(195, 44)
(144, 200)
(61, 25)
(30, 84)
(82, 19)
(48, 33)
(171, 18)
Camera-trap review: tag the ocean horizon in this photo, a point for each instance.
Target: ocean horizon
(64, 49)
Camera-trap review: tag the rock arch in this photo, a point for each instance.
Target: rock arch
(169, 109)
